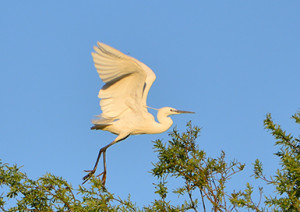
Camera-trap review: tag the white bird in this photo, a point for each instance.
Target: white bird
(123, 100)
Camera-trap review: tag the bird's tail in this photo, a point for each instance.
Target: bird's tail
(101, 123)
(98, 127)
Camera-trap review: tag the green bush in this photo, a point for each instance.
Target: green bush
(203, 180)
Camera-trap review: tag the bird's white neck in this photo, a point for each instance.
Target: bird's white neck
(165, 122)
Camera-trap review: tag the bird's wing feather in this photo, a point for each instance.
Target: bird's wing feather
(149, 80)
(125, 79)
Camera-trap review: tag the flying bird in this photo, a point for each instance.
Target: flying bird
(124, 100)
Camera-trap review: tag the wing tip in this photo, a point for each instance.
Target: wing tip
(101, 45)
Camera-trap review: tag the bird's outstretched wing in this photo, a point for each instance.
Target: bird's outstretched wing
(127, 81)
(150, 78)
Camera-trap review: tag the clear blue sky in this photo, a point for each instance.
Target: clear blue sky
(229, 61)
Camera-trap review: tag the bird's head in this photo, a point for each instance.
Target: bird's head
(172, 111)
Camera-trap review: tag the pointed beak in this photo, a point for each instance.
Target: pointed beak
(183, 111)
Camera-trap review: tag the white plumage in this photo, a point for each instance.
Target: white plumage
(124, 99)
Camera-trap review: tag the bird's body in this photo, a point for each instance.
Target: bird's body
(136, 123)
(123, 99)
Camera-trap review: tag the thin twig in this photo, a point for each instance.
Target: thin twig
(2, 208)
(188, 187)
(55, 196)
(260, 197)
(124, 203)
(202, 198)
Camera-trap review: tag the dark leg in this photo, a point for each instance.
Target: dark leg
(102, 150)
(91, 172)
(104, 165)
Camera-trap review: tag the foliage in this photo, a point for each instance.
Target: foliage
(287, 178)
(201, 180)
(181, 158)
(51, 193)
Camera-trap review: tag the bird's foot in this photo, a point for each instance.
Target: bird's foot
(103, 177)
(89, 175)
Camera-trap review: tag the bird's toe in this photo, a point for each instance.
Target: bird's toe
(89, 175)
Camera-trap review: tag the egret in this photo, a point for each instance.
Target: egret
(123, 100)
